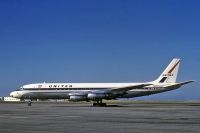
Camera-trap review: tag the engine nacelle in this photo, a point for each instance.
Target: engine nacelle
(77, 98)
(96, 96)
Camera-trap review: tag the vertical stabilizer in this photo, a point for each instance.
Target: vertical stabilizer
(169, 75)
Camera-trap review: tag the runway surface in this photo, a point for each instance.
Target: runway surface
(83, 118)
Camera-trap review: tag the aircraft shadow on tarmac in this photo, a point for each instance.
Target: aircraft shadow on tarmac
(108, 106)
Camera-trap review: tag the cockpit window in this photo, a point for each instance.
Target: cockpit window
(20, 89)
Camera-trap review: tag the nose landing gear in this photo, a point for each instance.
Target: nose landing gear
(29, 101)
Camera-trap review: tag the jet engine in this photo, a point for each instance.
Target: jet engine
(77, 97)
(96, 96)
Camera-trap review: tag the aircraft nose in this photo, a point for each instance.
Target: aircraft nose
(13, 94)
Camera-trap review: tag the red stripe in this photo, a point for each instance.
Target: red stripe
(174, 67)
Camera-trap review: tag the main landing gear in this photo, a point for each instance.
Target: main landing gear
(99, 103)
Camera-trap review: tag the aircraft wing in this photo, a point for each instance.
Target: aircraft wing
(127, 88)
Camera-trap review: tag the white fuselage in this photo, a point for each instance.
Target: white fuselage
(64, 90)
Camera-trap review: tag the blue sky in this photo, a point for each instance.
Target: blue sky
(99, 41)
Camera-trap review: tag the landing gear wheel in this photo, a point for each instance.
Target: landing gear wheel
(29, 103)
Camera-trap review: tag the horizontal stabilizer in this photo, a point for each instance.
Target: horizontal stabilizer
(181, 83)
(186, 82)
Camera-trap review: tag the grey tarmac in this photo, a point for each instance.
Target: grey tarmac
(125, 117)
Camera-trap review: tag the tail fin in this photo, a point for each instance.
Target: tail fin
(169, 75)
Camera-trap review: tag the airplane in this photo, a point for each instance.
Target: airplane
(97, 92)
